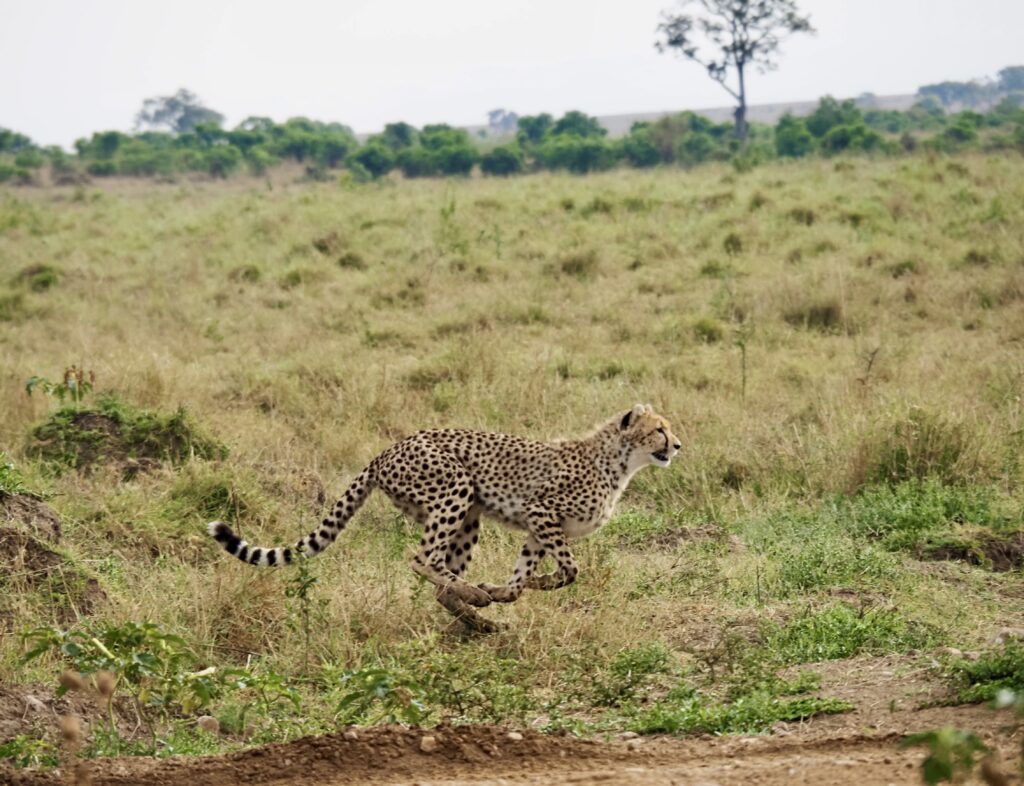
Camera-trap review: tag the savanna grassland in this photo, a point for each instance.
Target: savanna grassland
(839, 344)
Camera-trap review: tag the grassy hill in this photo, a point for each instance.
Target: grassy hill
(837, 342)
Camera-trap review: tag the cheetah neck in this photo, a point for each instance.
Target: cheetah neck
(611, 457)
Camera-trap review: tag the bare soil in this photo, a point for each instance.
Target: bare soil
(857, 747)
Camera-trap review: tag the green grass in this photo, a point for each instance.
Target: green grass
(834, 345)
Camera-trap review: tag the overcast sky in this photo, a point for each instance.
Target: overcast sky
(72, 67)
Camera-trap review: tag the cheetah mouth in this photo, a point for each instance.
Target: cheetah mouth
(661, 458)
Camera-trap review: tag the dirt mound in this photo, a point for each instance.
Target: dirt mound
(31, 566)
(994, 551)
(31, 513)
(116, 433)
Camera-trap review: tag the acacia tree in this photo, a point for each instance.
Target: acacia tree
(179, 113)
(739, 33)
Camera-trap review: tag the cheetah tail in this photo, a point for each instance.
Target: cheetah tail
(315, 542)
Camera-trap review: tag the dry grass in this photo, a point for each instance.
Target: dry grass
(307, 326)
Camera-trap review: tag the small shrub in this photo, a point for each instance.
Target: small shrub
(350, 260)
(733, 244)
(708, 331)
(824, 315)
(248, 273)
(993, 672)
(38, 278)
(582, 265)
(502, 161)
(802, 215)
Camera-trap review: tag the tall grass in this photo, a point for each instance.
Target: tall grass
(812, 330)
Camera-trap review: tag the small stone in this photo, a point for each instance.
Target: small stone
(951, 652)
(208, 723)
(515, 736)
(633, 745)
(287, 762)
(351, 735)
(35, 704)
(628, 735)
(428, 744)
(972, 655)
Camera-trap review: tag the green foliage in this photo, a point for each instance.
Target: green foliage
(993, 673)
(75, 386)
(628, 674)
(685, 711)
(376, 159)
(76, 437)
(842, 631)
(830, 114)
(576, 123)
(951, 754)
(502, 161)
(375, 695)
(25, 751)
(11, 480)
(157, 667)
(792, 138)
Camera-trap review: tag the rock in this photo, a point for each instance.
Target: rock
(351, 735)
(628, 735)
(951, 652)
(428, 744)
(515, 736)
(35, 704)
(972, 655)
(208, 723)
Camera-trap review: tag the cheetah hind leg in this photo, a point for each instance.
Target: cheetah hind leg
(460, 553)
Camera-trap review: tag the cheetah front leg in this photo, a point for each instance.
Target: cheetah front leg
(460, 553)
(546, 537)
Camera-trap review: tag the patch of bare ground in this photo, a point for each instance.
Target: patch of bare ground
(857, 747)
(30, 565)
(31, 513)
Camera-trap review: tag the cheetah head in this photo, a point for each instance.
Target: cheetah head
(649, 437)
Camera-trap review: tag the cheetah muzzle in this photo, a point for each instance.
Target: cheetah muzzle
(554, 492)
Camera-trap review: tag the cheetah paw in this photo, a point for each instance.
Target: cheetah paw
(501, 593)
(474, 596)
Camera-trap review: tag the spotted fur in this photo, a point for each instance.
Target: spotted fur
(554, 492)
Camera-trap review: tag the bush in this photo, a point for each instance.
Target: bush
(792, 139)
(374, 158)
(416, 162)
(222, 160)
(502, 161)
(639, 150)
(856, 137)
(456, 159)
(576, 154)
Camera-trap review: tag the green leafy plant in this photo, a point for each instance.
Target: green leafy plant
(25, 751)
(76, 384)
(156, 667)
(951, 753)
(376, 694)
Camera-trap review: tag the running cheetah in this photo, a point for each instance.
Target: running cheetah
(554, 492)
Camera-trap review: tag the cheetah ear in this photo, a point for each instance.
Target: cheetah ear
(630, 416)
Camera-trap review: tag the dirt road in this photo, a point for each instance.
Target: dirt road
(859, 747)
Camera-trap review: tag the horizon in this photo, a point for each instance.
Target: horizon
(453, 62)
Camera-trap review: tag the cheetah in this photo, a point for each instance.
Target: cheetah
(446, 479)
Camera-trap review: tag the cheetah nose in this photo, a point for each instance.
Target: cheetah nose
(677, 445)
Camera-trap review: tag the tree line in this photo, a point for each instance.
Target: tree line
(194, 141)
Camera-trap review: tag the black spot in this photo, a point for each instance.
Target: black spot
(624, 424)
(254, 558)
(243, 554)
(272, 557)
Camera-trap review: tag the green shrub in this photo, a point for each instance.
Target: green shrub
(842, 631)
(502, 161)
(416, 162)
(376, 159)
(983, 679)
(115, 431)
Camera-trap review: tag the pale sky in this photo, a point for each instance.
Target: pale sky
(72, 67)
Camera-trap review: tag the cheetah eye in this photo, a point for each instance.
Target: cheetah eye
(661, 431)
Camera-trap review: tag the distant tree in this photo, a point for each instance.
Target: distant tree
(792, 139)
(456, 159)
(12, 142)
(416, 162)
(256, 123)
(533, 129)
(830, 113)
(502, 123)
(741, 33)
(502, 161)
(1011, 79)
(179, 113)
(398, 136)
(953, 93)
(638, 149)
(375, 157)
(579, 124)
